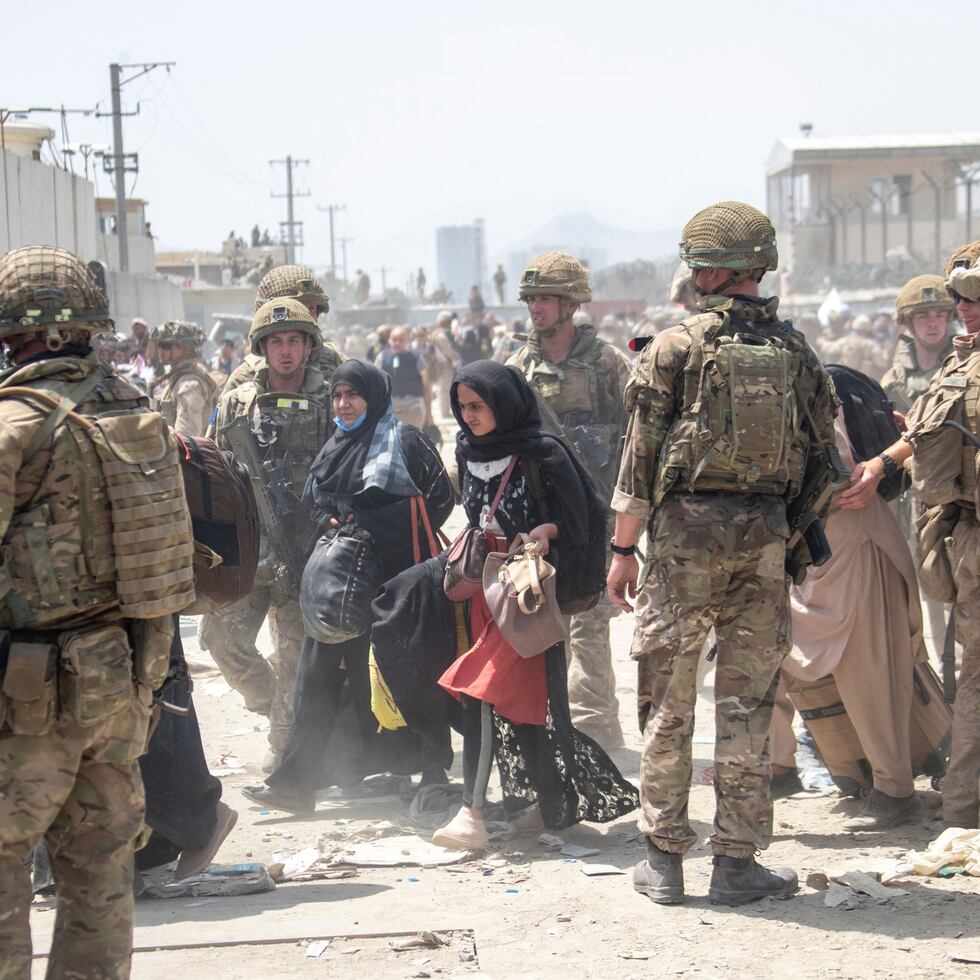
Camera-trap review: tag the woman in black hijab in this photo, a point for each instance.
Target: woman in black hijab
(365, 474)
(513, 708)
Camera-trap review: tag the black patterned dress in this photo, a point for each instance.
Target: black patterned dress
(552, 764)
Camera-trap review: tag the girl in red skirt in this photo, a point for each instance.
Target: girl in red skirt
(516, 479)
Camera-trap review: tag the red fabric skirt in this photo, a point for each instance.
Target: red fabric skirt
(493, 671)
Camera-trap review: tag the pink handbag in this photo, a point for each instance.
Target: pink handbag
(520, 591)
(467, 555)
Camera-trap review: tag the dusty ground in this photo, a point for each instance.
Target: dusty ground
(537, 914)
(526, 911)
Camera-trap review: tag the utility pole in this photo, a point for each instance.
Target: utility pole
(289, 225)
(123, 163)
(343, 252)
(331, 209)
(384, 270)
(119, 168)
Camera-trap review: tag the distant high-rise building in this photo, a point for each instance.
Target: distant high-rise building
(461, 259)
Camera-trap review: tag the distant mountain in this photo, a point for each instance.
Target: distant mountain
(601, 244)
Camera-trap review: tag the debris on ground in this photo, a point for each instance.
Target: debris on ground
(391, 852)
(954, 850)
(422, 940)
(219, 880)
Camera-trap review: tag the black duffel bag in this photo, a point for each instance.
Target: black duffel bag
(339, 583)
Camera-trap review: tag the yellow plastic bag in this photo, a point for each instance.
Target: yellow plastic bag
(382, 703)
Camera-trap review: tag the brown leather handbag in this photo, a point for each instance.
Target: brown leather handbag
(520, 591)
(468, 553)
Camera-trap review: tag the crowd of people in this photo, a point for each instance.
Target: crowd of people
(735, 442)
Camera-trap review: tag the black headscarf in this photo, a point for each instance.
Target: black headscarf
(514, 407)
(574, 503)
(337, 469)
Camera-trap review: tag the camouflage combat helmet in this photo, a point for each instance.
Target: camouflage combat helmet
(682, 280)
(281, 314)
(189, 335)
(556, 274)
(963, 271)
(49, 291)
(294, 282)
(920, 294)
(730, 235)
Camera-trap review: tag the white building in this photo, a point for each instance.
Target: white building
(851, 200)
(461, 259)
(43, 205)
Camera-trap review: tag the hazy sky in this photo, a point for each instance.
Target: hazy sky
(436, 112)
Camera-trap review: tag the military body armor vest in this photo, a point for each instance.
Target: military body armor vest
(165, 391)
(291, 426)
(571, 392)
(908, 381)
(108, 522)
(945, 462)
(741, 427)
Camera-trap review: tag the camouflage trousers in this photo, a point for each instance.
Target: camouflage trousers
(591, 677)
(961, 794)
(266, 685)
(78, 790)
(714, 560)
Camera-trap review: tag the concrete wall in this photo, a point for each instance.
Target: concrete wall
(155, 300)
(141, 258)
(200, 303)
(41, 205)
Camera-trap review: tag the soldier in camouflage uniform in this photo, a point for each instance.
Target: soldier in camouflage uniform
(290, 282)
(187, 394)
(288, 405)
(924, 311)
(944, 475)
(720, 409)
(580, 378)
(78, 657)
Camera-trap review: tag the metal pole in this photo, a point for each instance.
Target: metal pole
(333, 255)
(290, 240)
(969, 209)
(343, 252)
(119, 170)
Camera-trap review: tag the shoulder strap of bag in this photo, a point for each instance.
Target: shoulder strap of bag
(64, 407)
(500, 492)
(418, 508)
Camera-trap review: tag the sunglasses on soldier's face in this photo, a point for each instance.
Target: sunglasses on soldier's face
(165, 344)
(958, 298)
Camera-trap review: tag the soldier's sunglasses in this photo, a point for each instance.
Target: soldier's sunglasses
(959, 298)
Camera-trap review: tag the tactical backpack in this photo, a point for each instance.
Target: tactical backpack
(150, 547)
(226, 524)
(871, 426)
(742, 428)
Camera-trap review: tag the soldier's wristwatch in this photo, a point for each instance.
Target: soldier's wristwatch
(891, 467)
(618, 549)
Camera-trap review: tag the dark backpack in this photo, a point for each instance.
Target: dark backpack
(226, 524)
(870, 424)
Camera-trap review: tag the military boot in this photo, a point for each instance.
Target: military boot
(882, 811)
(737, 881)
(661, 876)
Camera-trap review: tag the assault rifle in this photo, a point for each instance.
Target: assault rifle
(274, 497)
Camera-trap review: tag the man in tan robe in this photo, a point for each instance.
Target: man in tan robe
(857, 617)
